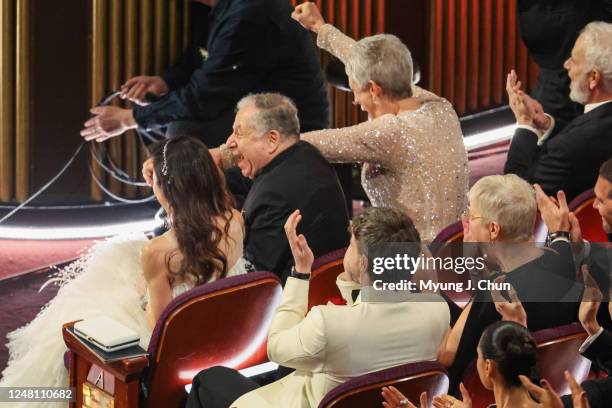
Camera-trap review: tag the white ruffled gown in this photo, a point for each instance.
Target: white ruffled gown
(108, 280)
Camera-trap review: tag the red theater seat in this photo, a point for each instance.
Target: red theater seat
(589, 218)
(221, 323)
(411, 379)
(325, 270)
(448, 243)
(557, 352)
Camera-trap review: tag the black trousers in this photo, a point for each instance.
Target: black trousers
(218, 387)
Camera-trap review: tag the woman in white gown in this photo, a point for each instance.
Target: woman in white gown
(132, 279)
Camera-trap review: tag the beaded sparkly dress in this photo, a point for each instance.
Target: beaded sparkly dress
(414, 161)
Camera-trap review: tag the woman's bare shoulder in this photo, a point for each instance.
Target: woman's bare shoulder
(155, 251)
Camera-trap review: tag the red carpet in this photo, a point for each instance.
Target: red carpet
(20, 303)
(22, 256)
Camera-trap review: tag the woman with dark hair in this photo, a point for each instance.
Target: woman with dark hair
(204, 239)
(132, 279)
(506, 351)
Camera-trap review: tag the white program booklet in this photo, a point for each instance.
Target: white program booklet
(106, 333)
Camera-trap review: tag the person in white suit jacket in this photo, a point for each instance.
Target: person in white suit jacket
(331, 344)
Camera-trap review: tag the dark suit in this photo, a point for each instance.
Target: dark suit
(599, 390)
(253, 46)
(600, 351)
(570, 159)
(298, 178)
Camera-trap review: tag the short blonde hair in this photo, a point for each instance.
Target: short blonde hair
(509, 201)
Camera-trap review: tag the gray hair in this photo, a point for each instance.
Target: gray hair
(597, 38)
(274, 112)
(385, 60)
(509, 201)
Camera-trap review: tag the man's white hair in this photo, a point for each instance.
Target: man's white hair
(385, 60)
(597, 37)
(509, 201)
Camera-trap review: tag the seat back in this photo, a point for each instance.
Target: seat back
(325, 270)
(589, 218)
(448, 244)
(557, 351)
(411, 379)
(223, 323)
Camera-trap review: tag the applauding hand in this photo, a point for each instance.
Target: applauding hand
(395, 399)
(555, 212)
(546, 396)
(527, 110)
(302, 254)
(448, 401)
(512, 311)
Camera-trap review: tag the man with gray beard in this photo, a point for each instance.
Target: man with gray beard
(567, 159)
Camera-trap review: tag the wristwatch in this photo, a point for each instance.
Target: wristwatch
(553, 236)
(299, 275)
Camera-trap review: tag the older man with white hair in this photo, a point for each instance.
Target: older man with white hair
(567, 159)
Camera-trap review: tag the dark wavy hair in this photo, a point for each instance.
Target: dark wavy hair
(196, 192)
(513, 349)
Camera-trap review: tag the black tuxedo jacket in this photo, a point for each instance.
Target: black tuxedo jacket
(570, 159)
(298, 178)
(549, 28)
(253, 46)
(600, 351)
(599, 390)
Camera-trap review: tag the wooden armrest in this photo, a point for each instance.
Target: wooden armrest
(125, 370)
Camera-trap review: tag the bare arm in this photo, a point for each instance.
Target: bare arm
(156, 275)
(450, 344)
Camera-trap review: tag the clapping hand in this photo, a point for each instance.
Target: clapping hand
(448, 401)
(548, 398)
(555, 212)
(395, 399)
(309, 16)
(527, 110)
(302, 254)
(512, 311)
